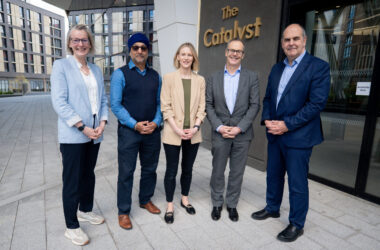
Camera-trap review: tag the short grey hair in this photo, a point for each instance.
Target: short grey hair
(89, 35)
(235, 40)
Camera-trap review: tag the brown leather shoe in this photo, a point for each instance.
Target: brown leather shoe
(125, 222)
(151, 208)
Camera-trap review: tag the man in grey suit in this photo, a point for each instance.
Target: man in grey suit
(232, 103)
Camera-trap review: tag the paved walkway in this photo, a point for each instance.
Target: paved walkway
(31, 215)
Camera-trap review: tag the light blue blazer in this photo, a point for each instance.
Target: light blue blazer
(70, 100)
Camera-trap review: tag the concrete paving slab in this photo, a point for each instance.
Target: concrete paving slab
(31, 213)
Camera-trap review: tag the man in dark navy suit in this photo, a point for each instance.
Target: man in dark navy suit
(297, 92)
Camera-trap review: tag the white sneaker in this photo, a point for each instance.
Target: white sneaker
(90, 217)
(77, 236)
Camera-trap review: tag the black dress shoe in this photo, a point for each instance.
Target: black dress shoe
(290, 233)
(169, 217)
(216, 212)
(264, 214)
(189, 208)
(233, 214)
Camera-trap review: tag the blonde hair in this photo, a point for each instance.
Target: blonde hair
(194, 64)
(89, 35)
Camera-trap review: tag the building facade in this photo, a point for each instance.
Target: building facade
(344, 33)
(31, 39)
(111, 29)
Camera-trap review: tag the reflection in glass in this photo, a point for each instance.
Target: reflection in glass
(373, 181)
(345, 37)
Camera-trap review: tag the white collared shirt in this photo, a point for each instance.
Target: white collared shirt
(92, 89)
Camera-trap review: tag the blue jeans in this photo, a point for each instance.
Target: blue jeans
(131, 143)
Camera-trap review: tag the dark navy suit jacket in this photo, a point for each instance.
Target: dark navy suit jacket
(301, 102)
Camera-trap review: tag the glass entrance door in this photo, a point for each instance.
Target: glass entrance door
(346, 37)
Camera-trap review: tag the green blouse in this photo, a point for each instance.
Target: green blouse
(187, 94)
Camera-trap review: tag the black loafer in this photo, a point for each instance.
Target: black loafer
(169, 217)
(264, 214)
(189, 208)
(290, 233)
(216, 212)
(233, 214)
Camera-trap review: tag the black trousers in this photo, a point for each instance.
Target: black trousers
(189, 152)
(78, 177)
(130, 145)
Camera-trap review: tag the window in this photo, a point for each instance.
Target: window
(9, 8)
(350, 26)
(26, 69)
(56, 23)
(352, 11)
(130, 16)
(28, 14)
(124, 17)
(9, 17)
(41, 39)
(58, 52)
(151, 15)
(23, 35)
(5, 55)
(105, 23)
(70, 21)
(86, 20)
(1, 5)
(10, 32)
(2, 18)
(57, 43)
(2, 30)
(76, 19)
(21, 9)
(105, 18)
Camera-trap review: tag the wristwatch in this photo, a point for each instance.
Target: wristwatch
(197, 126)
(81, 128)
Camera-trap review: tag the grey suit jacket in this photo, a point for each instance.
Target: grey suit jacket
(246, 107)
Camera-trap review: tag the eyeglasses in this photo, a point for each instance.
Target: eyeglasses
(77, 41)
(136, 48)
(232, 51)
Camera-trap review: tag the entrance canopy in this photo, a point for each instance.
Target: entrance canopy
(72, 5)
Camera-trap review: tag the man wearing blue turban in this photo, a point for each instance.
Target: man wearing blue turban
(135, 101)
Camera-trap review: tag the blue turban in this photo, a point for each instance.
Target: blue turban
(138, 37)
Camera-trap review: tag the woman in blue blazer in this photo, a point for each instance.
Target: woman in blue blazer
(78, 97)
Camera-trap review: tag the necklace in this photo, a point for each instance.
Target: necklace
(85, 70)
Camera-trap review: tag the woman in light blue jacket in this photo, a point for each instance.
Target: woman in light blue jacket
(78, 97)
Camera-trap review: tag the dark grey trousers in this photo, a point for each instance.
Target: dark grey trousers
(237, 152)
